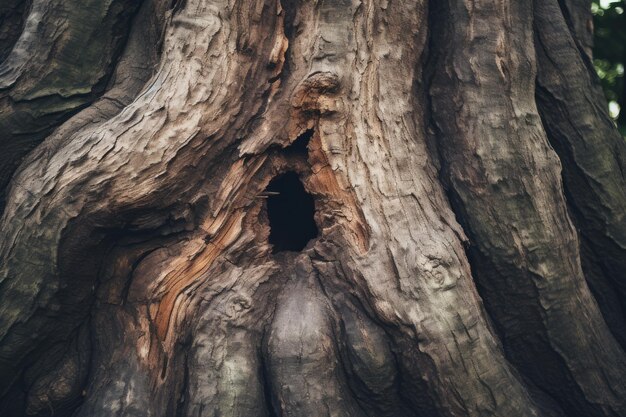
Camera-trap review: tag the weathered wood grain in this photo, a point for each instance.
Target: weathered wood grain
(136, 273)
(593, 154)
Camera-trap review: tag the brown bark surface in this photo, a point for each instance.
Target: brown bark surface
(463, 253)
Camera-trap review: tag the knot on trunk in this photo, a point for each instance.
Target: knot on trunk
(316, 93)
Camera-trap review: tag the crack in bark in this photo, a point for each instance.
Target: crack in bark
(149, 222)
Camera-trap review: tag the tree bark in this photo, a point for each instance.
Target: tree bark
(593, 154)
(140, 272)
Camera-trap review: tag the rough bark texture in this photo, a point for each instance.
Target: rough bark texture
(60, 62)
(137, 271)
(506, 181)
(594, 159)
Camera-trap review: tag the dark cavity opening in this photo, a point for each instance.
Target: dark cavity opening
(290, 210)
(300, 145)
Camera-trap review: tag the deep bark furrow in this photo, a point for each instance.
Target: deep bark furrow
(507, 182)
(380, 151)
(591, 149)
(579, 19)
(12, 17)
(60, 63)
(148, 267)
(133, 70)
(39, 281)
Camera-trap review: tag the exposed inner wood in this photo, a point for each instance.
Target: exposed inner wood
(138, 274)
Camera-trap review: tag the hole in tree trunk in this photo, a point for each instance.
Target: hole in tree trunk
(300, 145)
(290, 210)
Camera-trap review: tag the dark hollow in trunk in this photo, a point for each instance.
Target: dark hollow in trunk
(264, 208)
(290, 210)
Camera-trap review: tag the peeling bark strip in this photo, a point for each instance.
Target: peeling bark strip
(139, 271)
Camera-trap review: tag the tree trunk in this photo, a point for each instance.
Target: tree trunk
(325, 208)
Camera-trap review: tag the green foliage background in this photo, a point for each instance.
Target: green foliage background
(610, 54)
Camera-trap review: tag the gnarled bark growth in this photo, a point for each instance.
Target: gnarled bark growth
(140, 268)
